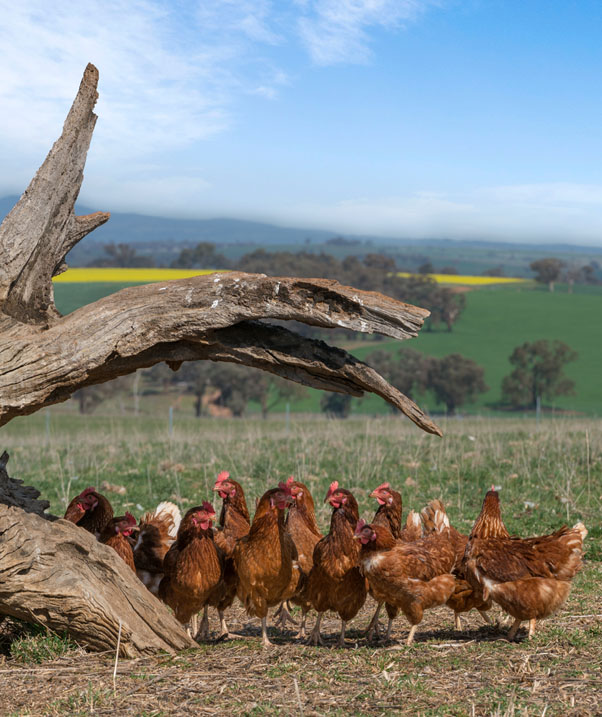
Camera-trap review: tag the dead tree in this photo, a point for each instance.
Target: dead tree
(51, 571)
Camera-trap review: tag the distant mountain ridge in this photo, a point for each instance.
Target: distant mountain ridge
(145, 230)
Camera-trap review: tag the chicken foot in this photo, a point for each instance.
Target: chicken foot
(283, 614)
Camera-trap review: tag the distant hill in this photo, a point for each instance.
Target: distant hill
(164, 238)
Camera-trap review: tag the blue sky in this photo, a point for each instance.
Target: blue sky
(416, 118)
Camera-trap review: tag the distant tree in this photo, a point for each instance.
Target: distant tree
(381, 262)
(538, 372)
(90, 397)
(445, 306)
(202, 256)
(448, 270)
(197, 377)
(455, 380)
(426, 268)
(271, 390)
(547, 271)
(122, 255)
(494, 271)
(336, 405)
(407, 371)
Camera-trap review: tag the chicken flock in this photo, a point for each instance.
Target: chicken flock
(281, 558)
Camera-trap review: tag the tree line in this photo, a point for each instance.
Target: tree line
(453, 380)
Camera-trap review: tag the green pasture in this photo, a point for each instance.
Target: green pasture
(495, 321)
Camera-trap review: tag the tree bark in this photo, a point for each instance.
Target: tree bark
(51, 571)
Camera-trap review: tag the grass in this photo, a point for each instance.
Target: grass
(549, 474)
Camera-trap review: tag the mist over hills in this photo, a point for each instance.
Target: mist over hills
(164, 237)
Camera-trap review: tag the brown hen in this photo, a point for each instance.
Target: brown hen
(263, 559)
(157, 532)
(90, 510)
(234, 524)
(193, 569)
(335, 581)
(410, 576)
(116, 535)
(388, 515)
(528, 577)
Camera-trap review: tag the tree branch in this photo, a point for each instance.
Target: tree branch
(41, 228)
(143, 325)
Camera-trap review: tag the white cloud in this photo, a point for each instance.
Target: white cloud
(557, 212)
(337, 31)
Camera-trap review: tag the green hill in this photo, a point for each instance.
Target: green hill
(495, 321)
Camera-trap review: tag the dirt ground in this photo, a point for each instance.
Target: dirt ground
(476, 672)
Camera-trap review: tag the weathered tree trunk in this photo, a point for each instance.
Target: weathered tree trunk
(58, 575)
(53, 572)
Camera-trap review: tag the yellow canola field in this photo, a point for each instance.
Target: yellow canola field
(123, 276)
(469, 280)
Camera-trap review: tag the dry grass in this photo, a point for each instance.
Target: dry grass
(549, 475)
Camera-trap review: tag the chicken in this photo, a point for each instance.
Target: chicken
(157, 532)
(302, 527)
(464, 597)
(388, 515)
(90, 510)
(411, 576)
(234, 524)
(193, 569)
(116, 535)
(263, 559)
(529, 578)
(389, 512)
(234, 520)
(335, 582)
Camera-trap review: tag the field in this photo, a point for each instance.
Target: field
(548, 474)
(507, 316)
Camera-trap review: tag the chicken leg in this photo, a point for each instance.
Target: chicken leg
(265, 640)
(514, 629)
(374, 626)
(203, 633)
(531, 628)
(315, 638)
(342, 635)
(411, 634)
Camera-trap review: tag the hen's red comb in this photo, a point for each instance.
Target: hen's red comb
(290, 480)
(224, 475)
(87, 491)
(286, 487)
(382, 486)
(207, 507)
(130, 518)
(492, 487)
(334, 486)
(361, 523)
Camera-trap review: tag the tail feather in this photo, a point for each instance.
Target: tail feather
(429, 513)
(166, 512)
